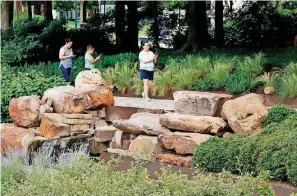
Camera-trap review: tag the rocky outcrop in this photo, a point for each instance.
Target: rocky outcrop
(140, 123)
(19, 140)
(183, 143)
(67, 99)
(244, 114)
(199, 103)
(174, 159)
(52, 126)
(190, 123)
(146, 145)
(24, 111)
(105, 134)
(93, 84)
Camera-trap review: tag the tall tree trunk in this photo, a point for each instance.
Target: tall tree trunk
(81, 11)
(156, 30)
(219, 25)
(85, 11)
(197, 21)
(48, 14)
(132, 32)
(120, 25)
(29, 4)
(18, 3)
(6, 14)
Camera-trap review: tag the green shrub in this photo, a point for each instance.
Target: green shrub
(292, 167)
(75, 174)
(239, 82)
(16, 83)
(253, 65)
(277, 114)
(216, 155)
(267, 151)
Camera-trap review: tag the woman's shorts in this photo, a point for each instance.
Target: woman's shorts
(146, 75)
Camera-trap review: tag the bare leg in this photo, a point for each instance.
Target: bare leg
(150, 82)
(145, 87)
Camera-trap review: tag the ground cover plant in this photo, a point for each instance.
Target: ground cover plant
(272, 151)
(75, 174)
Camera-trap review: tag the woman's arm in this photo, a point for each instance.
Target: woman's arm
(147, 60)
(62, 55)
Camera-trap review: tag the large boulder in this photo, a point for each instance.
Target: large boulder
(244, 114)
(183, 143)
(19, 140)
(24, 111)
(89, 80)
(67, 99)
(190, 123)
(199, 103)
(146, 145)
(140, 123)
(93, 84)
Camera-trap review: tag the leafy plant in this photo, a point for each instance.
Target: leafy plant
(239, 82)
(185, 78)
(124, 75)
(288, 86)
(253, 65)
(277, 114)
(164, 83)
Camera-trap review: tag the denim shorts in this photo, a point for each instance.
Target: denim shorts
(146, 75)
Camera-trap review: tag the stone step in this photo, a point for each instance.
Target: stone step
(124, 107)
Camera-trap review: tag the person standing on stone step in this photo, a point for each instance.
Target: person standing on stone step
(66, 56)
(89, 59)
(147, 63)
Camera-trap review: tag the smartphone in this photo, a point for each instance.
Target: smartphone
(101, 54)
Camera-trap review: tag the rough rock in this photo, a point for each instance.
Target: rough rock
(98, 122)
(80, 128)
(94, 113)
(67, 99)
(52, 126)
(78, 116)
(45, 106)
(120, 152)
(24, 111)
(20, 140)
(174, 159)
(268, 90)
(98, 92)
(140, 123)
(105, 134)
(244, 114)
(153, 111)
(100, 97)
(227, 134)
(199, 103)
(89, 79)
(97, 147)
(183, 143)
(101, 113)
(121, 140)
(190, 123)
(147, 145)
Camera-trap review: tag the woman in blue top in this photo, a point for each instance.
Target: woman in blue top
(147, 63)
(66, 56)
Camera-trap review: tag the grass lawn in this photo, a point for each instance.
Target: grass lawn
(71, 24)
(24, 16)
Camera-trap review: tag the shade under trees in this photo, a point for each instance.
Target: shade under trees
(120, 25)
(132, 31)
(6, 14)
(198, 36)
(219, 24)
(48, 14)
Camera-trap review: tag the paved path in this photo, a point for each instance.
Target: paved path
(163, 104)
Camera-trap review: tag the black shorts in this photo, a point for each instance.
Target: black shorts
(146, 75)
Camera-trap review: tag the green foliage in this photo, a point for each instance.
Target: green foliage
(277, 114)
(292, 167)
(253, 65)
(124, 75)
(16, 82)
(268, 151)
(209, 158)
(75, 174)
(245, 27)
(239, 82)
